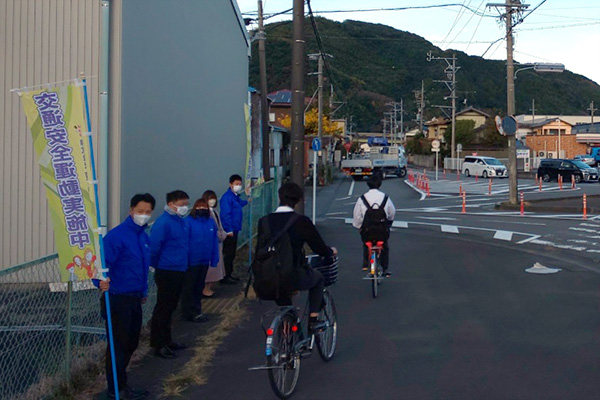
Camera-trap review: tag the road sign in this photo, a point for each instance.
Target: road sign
(316, 144)
(435, 144)
(509, 125)
(459, 148)
(499, 125)
(435, 149)
(347, 146)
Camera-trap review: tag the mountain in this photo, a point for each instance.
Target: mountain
(373, 64)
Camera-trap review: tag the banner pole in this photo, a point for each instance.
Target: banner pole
(68, 335)
(99, 224)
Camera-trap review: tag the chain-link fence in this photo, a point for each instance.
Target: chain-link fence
(50, 331)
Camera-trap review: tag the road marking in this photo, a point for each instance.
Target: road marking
(337, 213)
(439, 218)
(348, 220)
(400, 224)
(558, 246)
(449, 228)
(583, 230)
(423, 194)
(343, 198)
(531, 239)
(351, 188)
(503, 235)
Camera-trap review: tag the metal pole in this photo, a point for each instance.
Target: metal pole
(323, 160)
(264, 106)
(453, 140)
(437, 153)
(559, 144)
(297, 173)
(422, 107)
(103, 133)
(103, 271)
(314, 193)
(510, 107)
(68, 335)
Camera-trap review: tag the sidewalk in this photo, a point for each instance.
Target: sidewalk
(166, 378)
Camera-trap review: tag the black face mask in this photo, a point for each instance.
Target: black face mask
(203, 213)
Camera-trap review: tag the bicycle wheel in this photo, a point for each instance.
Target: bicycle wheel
(283, 361)
(375, 280)
(327, 340)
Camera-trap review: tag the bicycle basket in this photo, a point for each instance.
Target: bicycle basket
(327, 267)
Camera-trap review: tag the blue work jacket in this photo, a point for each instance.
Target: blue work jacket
(127, 257)
(231, 211)
(169, 243)
(204, 243)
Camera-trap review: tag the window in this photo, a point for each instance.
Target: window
(553, 131)
(271, 117)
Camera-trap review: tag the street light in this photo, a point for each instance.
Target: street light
(543, 67)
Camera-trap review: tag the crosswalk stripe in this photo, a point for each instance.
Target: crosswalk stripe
(503, 235)
(449, 228)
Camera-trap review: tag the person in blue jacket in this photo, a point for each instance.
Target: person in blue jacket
(127, 258)
(169, 255)
(232, 215)
(204, 253)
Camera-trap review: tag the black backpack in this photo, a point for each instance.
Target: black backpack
(375, 224)
(273, 265)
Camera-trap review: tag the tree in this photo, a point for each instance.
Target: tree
(465, 132)
(311, 123)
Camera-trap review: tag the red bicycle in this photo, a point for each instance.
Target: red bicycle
(376, 270)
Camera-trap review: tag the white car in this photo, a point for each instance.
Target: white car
(486, 167)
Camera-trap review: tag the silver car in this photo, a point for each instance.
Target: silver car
(585, 158)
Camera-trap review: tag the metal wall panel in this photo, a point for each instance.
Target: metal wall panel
(40, 42)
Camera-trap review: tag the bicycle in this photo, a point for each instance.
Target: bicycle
(288, 339)
(376, 270)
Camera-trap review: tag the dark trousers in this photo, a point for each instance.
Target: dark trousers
(229, 248)
(191, 297)
(126, 317)
(384, 258)
(313, 281)
(168, 290)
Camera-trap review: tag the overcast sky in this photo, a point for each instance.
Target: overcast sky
(559, 31)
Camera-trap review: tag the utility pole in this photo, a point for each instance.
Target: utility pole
(401, 120)
(592, 110)
(264, 105)
(450, 82)
(420, 100)
(297, 173)
(512, 8)
(533, 110)
(320, 125)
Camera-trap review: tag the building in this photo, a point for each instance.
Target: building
(473, 114)
(437, 127)
(552, 138)
(171, 118)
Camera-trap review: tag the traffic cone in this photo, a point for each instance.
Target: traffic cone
(464, 203)
(490, 187)
(584, 206)
(522, 204)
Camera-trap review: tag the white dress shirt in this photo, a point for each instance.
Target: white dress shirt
(374, 198)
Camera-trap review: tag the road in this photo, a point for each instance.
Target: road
(459, 319)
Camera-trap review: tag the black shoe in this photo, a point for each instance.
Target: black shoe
(165, 352)
(387, 274)
(228, 281)
(199, 318)
(174, 346)
(315, 327)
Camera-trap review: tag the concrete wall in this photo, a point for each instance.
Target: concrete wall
(184, 82)
(41, 42)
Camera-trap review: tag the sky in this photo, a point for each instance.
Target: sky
(558, 31)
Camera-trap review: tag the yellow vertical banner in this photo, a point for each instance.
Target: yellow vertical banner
(56, 118)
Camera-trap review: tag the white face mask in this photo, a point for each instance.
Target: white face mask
(141, 219)
(237, 188)
(182, 210)
(212, 203)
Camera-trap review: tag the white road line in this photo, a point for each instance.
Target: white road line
(503, 235)
(348, 220)
(351, 188)
(400, 224)
(449, 228)
(558, 246)
(531, 239)
(337, 213)
(438, 218)
(423, 194)
(344, 198)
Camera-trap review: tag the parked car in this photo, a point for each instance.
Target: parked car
(585, 158)
(550, 169)
(484, 167)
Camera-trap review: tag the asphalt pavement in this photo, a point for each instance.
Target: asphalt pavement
(459, 319)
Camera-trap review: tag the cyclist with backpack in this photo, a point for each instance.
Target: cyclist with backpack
(279, 267)
(373, 216)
